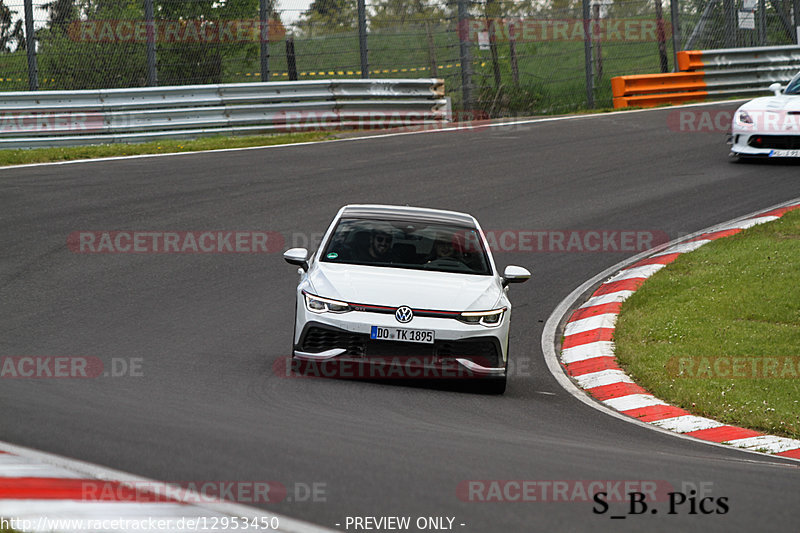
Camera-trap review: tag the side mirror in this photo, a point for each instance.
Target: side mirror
(297, 256)
(515, 274)
(776, 88)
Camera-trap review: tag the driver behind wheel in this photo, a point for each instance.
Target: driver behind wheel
(443, 249)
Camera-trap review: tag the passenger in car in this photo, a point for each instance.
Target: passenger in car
(376, 250)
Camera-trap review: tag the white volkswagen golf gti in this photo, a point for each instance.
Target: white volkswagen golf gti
(404, 292)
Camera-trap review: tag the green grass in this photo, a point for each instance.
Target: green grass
(738, 297)
(43, 155)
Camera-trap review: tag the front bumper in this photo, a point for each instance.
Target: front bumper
(750, 144)
(471, 356)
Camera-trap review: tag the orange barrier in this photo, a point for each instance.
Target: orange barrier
(729, 72)
(690, 60)
(650, 90)
(658, 83)
(653, 100)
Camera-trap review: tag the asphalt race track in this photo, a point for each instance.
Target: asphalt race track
(207, 328)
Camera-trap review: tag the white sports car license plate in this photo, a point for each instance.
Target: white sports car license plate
(785, 153)
(401, 334)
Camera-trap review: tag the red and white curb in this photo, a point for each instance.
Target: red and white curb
(587, 350)
(42, 492)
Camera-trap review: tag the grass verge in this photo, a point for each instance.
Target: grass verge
(717, 332)
(67, 153)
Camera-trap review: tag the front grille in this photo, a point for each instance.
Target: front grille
(317, 339)
(483, 350)
(779, 142)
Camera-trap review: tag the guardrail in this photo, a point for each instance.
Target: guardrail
(738, 57)
(64, 118)
(725, 72)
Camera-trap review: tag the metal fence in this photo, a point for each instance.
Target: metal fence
(70, 118)
(498, 57)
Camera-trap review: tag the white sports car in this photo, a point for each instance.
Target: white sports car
(768, 126)
(403, 292)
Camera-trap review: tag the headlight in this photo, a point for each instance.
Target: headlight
(317, 304)
(485, 318)
(743, 117)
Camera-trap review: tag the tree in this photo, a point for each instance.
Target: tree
(91, 44)
(74, 60)
(7, 34)
(61, 12)
(329, 16)
(191, 62)
(392, 13)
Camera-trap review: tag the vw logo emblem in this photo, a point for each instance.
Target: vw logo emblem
(404, 314)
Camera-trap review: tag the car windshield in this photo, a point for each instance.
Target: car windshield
(794, 85)
(407, 244)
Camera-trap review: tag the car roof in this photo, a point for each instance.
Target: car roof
(396, 212)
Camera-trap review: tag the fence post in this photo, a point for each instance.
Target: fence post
(662, 41)
(587, 53)
(291, 60)
(796, 11)
(512, 51)
(362, 38)
(263, 11)
(152, 72)
(676, 33)
(492, 14)
(431, 48)
(465, 55)
(30, 47)
(597, 42)
(729, 13)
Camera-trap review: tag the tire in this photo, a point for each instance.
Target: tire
(494, 386)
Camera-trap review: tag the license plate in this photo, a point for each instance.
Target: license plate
(401, 334)
(784, 153)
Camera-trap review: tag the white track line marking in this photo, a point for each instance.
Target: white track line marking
(606, 320)
(766, 442)
(588, 351)
(687, 423)
(618, 296)
(633, 401)
(603, 377)
(749, 223)
(683, 248)
(637, 272)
